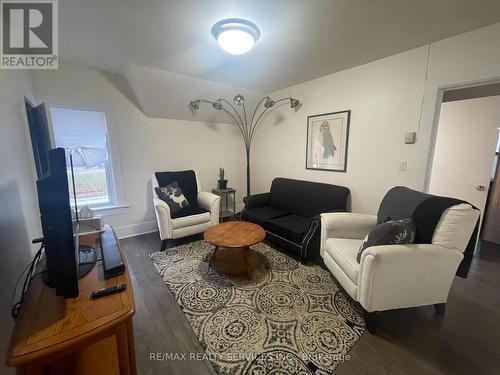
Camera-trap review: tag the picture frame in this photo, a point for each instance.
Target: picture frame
(327, 141)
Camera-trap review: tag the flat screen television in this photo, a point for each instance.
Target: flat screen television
(65, 261)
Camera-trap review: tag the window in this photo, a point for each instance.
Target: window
(83, 135)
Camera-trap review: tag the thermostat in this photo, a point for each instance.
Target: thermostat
(410, 138)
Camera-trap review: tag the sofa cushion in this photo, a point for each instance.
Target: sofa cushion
(188, 211)
(261, 215)
(172, 195)
(306, 198)
(185, 179)
(393, 232)
(344, 251)
(190, 216)
(291, 227)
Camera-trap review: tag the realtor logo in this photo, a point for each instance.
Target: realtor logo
(29, 35)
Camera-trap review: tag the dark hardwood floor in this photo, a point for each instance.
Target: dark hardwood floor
(408, 341)
(159, 324)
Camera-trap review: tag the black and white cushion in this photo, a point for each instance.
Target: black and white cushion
(173, 196)
(393, 232)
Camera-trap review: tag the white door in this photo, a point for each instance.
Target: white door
(465, 148)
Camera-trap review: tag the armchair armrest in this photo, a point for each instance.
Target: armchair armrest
(312, 239)
(257, 200)
(210, 202)
(347, 224)
(162, 212)
(398, 276)
(207, 200)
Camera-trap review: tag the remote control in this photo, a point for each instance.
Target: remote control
(107, 291)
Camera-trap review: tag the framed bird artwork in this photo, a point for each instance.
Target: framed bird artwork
(327, 141)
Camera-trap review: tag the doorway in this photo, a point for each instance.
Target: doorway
(491, 227)
(465, 147)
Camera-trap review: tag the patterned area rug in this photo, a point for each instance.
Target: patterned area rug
(288, 319)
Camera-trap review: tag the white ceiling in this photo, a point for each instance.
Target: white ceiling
(163, 94)
(301, 39)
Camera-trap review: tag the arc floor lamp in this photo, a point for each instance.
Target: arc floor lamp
(247, 128)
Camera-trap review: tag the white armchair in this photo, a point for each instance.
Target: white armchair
(196, 219)
(396, 276)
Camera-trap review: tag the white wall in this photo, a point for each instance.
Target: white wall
(385, 98)
(16, 161)
(19, 218)
(142, 145)
(466, 141)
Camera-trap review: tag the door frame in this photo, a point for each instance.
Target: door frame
(437, 115)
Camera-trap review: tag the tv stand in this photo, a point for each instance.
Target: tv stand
(54, 335)
(88, 259)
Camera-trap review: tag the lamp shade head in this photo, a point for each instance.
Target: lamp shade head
(239, 99)
(195, 104)
(235, 35)
(269, 103)
(217, 104)
(294, 102)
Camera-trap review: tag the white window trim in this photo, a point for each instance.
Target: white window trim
(116, 209)
(119, 204)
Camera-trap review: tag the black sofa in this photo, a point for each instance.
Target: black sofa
(290, 213)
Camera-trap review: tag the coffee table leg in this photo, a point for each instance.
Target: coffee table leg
(212, 259)
(246, 256)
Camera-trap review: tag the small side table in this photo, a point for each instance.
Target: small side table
(225, 211)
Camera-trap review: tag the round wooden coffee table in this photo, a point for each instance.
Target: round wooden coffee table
(232, 241)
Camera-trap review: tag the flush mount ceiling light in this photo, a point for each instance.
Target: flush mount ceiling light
(235, 36)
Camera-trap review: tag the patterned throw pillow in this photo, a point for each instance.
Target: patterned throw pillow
(389, 233)
(172, 195)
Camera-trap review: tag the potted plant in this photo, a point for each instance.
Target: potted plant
(222, 181)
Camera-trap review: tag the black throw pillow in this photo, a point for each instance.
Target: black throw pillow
(389, 233)
(173, 196)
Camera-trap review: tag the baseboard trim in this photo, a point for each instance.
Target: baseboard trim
(136, 229)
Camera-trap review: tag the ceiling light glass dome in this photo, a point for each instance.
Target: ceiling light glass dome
(236, 36)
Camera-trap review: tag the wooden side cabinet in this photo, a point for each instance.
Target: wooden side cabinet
(78, 336)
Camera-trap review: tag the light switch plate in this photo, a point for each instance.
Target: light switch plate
(403, 165)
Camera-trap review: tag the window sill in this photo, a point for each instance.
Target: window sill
(116, 209)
